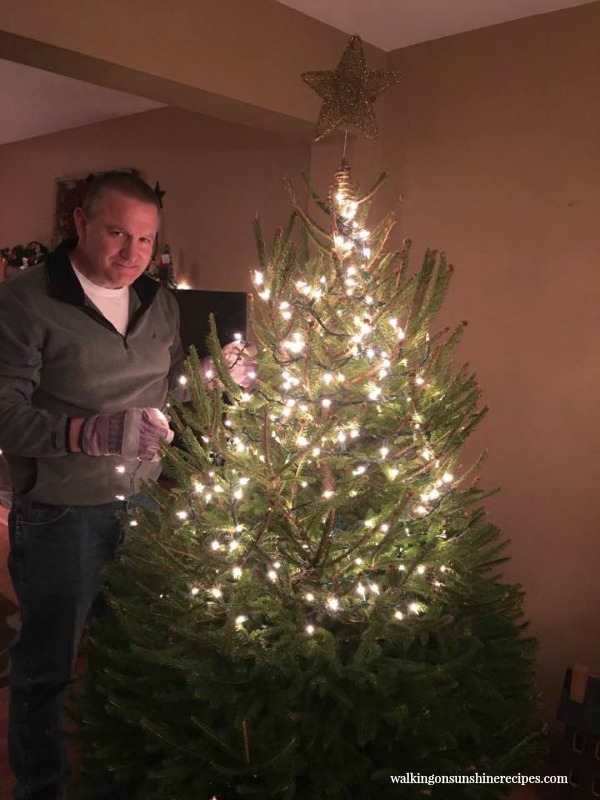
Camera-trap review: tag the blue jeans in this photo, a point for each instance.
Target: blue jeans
(56, 560)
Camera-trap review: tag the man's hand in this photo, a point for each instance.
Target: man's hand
(241, 360)
(135, 433)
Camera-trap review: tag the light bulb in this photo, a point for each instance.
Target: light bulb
(295, 345)
(310, 629)
(333, 604)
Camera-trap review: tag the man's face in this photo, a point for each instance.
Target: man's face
(115, 244)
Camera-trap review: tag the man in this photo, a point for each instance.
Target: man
(89, 347)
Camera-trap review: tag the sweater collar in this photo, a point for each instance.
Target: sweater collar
(63, 284)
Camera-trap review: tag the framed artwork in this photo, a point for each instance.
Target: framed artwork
(70, 193)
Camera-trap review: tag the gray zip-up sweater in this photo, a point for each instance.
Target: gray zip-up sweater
(60, 358)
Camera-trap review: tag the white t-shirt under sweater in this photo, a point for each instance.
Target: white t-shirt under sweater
(112, 303)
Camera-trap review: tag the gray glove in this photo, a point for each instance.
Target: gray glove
(241, 360)
(135, 433)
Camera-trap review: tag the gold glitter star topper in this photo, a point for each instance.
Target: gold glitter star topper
(349, 92)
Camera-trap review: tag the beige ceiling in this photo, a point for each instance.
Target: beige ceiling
(36, 102)
(390, 24)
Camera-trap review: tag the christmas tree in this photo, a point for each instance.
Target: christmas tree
(314, 603)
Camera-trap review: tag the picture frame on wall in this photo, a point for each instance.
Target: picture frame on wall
(70, 193)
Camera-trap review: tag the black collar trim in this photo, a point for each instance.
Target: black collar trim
(64, 286)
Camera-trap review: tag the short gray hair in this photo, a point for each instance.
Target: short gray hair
(127, 183)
